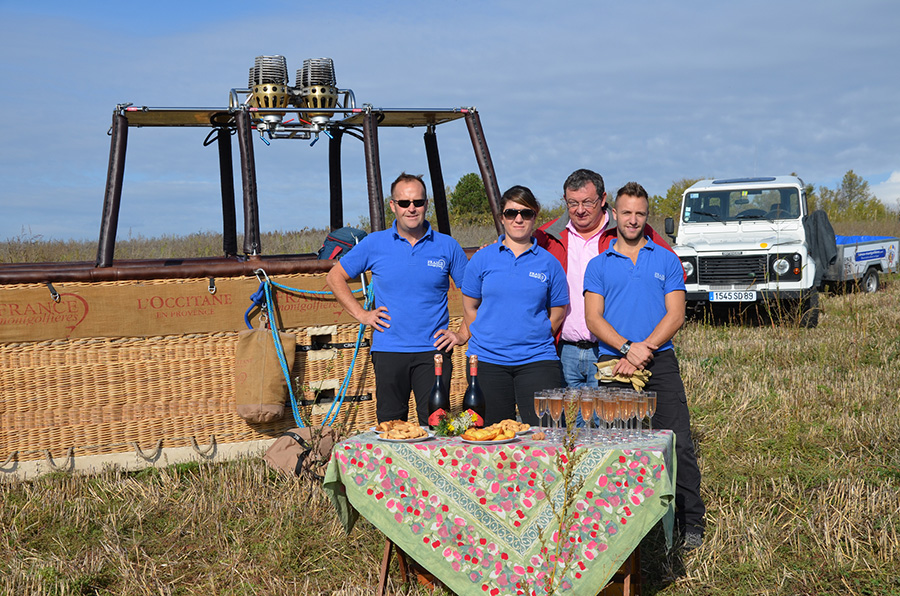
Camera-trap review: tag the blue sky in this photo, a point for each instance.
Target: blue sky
(652, 91)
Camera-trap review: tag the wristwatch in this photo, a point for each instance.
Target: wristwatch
(625, 347)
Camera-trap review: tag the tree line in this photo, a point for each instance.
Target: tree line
(850, 200)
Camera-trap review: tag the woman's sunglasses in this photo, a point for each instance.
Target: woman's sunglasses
(526, 214)
(404, 204)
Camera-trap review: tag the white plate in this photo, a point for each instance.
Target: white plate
(494, 442)
(375, 430)
(524, 432)
(415, 440)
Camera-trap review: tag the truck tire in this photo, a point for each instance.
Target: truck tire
(809, 310)
(870, 282)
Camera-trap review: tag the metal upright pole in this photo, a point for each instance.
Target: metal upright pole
(115, 173)
(483, 157)
(373, 171)
(437, 181)
(226, 176)
(335, 180)
(248, 176)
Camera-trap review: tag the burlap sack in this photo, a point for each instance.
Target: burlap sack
(259, 384)
(302, 451)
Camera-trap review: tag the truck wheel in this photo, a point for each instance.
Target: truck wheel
(870, 282)
(809, 310)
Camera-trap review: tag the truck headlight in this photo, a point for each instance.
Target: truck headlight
(781, 266)
(689, 264)
(787, 267)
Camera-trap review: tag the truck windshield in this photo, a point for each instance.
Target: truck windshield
(742, 205)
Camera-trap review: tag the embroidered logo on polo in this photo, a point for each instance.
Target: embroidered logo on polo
(660, 276)
(437, 263)
(539, 276)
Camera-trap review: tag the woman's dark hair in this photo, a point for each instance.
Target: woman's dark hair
(521, 195)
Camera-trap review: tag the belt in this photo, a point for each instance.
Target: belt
(582, 344)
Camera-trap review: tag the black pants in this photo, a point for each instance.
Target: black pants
(507, 387)
(398, 373)
(672, 414)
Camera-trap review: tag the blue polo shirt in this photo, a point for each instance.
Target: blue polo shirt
(634, 295)
(512, 325)
(411, 281)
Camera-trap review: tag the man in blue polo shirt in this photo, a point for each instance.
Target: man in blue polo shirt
(411, 267)
(634, 299)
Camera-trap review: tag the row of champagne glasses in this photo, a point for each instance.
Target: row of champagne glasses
(620, 411)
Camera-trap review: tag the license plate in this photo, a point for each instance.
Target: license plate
(747, 296)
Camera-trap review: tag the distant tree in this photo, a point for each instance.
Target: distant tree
(851, 200)
(468, 200)
(670, 205)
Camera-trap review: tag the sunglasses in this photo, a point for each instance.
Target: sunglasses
(526, 214)
(404, 204)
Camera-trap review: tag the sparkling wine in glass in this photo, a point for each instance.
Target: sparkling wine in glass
(540, 406)
(556, 407)
(587, 409)
(641, 410)
(651, 406)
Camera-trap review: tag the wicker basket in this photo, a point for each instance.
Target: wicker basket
(96, 396)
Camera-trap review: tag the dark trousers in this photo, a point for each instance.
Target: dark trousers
(398, 373)
(507, 387)
(672, 414)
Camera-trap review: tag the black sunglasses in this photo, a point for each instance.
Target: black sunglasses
(526, 214)
(403, 203)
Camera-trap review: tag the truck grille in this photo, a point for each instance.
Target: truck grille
(737, 270)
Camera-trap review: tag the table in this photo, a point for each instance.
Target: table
(484, 518)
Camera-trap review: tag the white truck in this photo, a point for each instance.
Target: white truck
(752, 240)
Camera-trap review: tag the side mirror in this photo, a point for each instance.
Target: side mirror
(670, 228)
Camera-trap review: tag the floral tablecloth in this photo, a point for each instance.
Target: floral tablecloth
(485, 519)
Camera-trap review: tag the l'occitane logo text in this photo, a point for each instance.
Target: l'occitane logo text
(170, 302)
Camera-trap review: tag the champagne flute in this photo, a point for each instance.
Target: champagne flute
(651, 407)
(555, 406)
(631, 411)
(540, 406)
(642, 410)
(587, 409)
(598, 394)
(571, 404)
(609, 413)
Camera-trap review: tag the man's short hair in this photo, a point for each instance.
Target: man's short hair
(633, 189)
(404, 177)
(579, 178)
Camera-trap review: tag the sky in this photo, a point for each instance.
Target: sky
(649, 90)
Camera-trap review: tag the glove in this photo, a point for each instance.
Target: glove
(605, 375)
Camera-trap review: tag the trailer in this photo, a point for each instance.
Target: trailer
(861, 259)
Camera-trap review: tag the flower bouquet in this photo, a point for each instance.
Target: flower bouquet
(446, 424)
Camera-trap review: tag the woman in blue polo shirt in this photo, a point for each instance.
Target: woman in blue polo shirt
(514, 299)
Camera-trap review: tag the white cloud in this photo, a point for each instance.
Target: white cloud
(889, 190)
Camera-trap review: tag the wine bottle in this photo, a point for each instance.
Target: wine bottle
(439, 398)
(474, 398)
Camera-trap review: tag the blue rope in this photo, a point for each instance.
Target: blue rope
(279, 349)
(262, 297)
(329, 418)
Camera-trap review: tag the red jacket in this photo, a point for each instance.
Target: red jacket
(554, 236)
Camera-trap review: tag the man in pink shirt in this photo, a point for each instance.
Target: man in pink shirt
(574, 238)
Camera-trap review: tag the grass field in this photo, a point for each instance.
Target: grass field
(796, 433)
